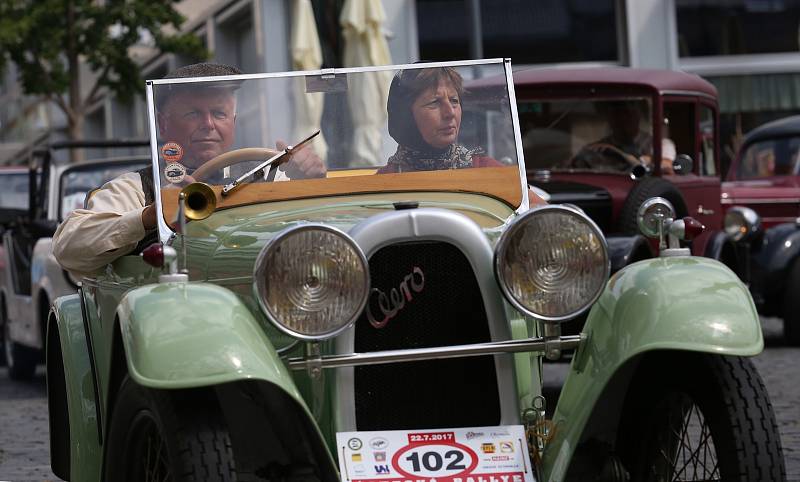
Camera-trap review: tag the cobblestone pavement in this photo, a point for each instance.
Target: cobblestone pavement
(24, 441)
(778, 367)
(24, 449)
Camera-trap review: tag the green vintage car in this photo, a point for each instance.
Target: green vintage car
(388, 324)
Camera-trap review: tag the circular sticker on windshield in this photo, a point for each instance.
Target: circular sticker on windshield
(174, 172)
(172, 152)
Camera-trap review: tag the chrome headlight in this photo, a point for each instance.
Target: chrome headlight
(742, 222)
(552, 263)
(312, 281)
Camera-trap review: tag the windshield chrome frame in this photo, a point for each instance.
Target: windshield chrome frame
(165, 232)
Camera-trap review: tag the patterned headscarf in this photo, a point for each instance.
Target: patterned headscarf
(453, 157)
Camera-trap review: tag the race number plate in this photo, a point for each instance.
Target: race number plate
(480, 454)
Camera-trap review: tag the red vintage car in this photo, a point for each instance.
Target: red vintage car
(764, 175)
(607, 139)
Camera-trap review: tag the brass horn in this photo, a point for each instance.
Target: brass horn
(201, 200)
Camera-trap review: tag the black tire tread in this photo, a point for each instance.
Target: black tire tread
(749, 408)
(202, 445)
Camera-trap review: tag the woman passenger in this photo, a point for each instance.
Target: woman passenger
(424, 108)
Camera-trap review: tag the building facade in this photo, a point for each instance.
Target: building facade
(747, 48)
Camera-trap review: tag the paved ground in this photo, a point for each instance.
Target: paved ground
(24, 450)
(778, 366)
(24, 442)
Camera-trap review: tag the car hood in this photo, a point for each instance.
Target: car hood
(223, 248)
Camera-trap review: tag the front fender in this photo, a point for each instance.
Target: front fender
(781, 245)
(682, 303)
(74, 443)
(181, 335)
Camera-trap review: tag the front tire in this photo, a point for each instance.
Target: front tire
(153, 436)
(20, 359)
(700, 417)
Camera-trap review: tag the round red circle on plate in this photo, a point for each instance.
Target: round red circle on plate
(172, 152)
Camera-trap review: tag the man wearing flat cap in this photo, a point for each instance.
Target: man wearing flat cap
(121, 217)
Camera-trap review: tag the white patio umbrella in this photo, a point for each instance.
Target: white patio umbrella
(365, 44)
(306, 55)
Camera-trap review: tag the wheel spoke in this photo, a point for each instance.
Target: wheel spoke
(695, 457)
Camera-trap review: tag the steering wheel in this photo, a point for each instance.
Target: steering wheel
(233, 157)
(616, 152)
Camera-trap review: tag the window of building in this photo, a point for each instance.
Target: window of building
(735, 27)
(527, 31)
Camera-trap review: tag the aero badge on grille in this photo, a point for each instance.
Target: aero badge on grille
(396, 299)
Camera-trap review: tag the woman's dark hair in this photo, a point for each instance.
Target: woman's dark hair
(406, 86)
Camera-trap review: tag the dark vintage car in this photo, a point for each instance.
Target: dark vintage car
(590, 137)
(761, 198)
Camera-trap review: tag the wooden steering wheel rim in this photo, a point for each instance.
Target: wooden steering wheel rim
(233, 157)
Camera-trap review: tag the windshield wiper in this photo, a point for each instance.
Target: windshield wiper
(277, 159)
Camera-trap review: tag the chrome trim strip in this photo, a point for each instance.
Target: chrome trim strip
(760, 201)
(432, 224)
(164, 231)
(336, 71)
(523, 176)
(433, 353)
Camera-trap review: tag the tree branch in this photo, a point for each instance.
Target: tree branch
(94, 93)
(62, 104)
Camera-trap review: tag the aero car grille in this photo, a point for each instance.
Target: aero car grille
(430, 298)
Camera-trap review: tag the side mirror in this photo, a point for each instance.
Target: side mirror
(683, 164)
(639, 171)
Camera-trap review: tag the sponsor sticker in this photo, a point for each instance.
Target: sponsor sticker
(378, 443)
(447, 455)
(174, 172)
(172, 152)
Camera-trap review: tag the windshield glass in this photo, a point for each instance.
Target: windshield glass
(14, 190)
(77, 181)
(419, 128)
(609, 135)
(769, 158)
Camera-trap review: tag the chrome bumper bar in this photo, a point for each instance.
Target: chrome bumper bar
(434, 353)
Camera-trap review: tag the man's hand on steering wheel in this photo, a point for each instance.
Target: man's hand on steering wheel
(303, 164)
(612, 150)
